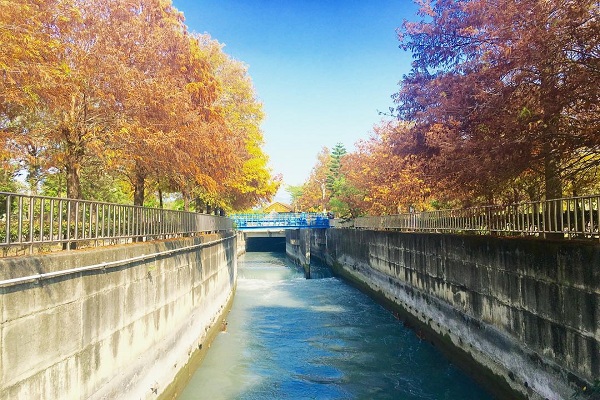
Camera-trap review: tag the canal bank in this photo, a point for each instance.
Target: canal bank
(197, 355)
(524, 312)
(298, 248)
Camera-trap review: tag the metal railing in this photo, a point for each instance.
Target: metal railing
(575, 217)
(280, 220)
(30, 224)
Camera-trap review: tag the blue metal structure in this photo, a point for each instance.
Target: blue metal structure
(248, 222)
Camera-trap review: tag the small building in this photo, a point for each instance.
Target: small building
(278, 208)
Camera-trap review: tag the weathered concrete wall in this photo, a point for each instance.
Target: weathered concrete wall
(241, 243)
(297, 248)
(318, 243)
(120, 333)
(526, 310)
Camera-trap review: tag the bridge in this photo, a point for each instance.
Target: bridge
(275, 224)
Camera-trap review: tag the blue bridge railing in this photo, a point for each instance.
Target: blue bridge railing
(280, 220)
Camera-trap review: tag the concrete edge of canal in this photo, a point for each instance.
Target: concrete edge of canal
(131, 328)
(480, 372)
(520, 315)
(185, 374)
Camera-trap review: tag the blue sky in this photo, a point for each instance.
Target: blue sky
(321, 68)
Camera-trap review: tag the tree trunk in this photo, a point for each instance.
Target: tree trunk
(553, 190)
(138, 189)
(186, 202)
(73, 192)
(552, 179)
(73, 183)
(73, 135)
(199, 205)
(138, 200)
(551, 115)
(160, 198)
(34, 174)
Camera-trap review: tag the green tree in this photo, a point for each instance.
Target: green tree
(295, 193)
(7, 180)
(335, 165)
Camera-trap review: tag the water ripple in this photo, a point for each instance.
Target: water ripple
(292, 338)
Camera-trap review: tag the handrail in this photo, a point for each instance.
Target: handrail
(40, 223)
(569, 217)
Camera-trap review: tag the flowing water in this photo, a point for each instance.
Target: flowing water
(293, 338)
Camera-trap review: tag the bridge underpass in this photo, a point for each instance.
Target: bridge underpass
(257, 241)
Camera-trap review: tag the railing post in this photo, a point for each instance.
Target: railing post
(76, 233)
(30, 219)
(96, 224)
(582, 216)
(544, 226)
(42, 205)
(597, 224)
(8, 218)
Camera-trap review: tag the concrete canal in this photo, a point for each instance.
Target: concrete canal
(289, 337)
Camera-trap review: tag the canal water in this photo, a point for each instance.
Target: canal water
(292, 338)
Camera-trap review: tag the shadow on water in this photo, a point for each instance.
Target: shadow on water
(275, 246)
(265, 244)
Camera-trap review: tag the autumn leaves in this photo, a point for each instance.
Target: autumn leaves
(502, 105)
(504, 97)
(121, 88)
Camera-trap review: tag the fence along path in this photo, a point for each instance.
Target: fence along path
(30, 224)
(574, 217)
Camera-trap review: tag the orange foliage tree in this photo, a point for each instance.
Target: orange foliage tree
(250, 180)
(381, 177)
(385, 180)
(122, 86)
(164, 98)
(503, 92)
(39, 91)
(314, 196)
(502, 105)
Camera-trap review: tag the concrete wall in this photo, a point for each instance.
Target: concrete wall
(297, 248)
(120, 333)
(241, 243)
(318, 243)
(527, 311)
